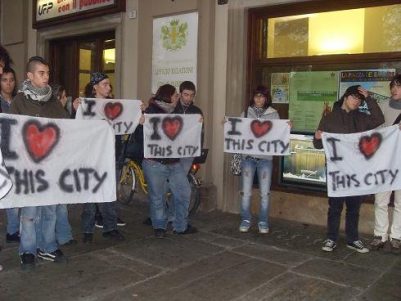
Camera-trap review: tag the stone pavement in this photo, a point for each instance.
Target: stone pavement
(219, 263)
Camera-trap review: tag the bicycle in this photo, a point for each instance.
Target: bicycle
(132, 178)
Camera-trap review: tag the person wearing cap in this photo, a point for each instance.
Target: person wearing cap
(259, 108)
(345, 118)
(99, 87)
(382, 238)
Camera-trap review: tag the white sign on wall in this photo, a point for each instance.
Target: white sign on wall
(49, 9)
(175, 50)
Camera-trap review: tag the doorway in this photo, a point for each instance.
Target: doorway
(72, 60)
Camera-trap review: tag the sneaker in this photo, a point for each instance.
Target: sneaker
(244, 226)
(329, 245)
(189, 230)
(120, 222)
(377, 243)
(160, 233)
(71, 242)
(395, 246)
(27, 261)
(358, 246)
(87, 238)
(99, 222)
(55, 256)
(10, 238)
(114, 235)
(263, 228)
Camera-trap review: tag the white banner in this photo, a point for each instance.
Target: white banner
(122, 114)
(363, 163)
(175, 50)
(5, 181)
(57, 161)
(172, 135)
(256, 137)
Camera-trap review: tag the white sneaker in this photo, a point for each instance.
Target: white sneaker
(263, 229)
(329, 245)
(244, 226)
(358, 246)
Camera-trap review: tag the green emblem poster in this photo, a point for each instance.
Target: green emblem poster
(311, 94)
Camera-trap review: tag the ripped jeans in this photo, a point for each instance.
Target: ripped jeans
(263, 168)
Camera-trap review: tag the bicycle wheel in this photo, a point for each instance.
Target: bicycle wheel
(127, 184)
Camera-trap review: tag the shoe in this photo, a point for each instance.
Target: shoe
(395, 246)
(147, 222)
(55, 256)
(188, 230)
(10, 238)
(329, 245)
(87, 238)
(358, 246)
(120, 222)
(244, 226)
(263, 228)
(160, 233)
(377, 243)
(114, 235)
(99, 222)
(27, 261)
(1, 267)
(71, 242)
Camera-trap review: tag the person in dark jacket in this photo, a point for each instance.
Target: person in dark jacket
(36, 99)
(159, 171)
(345, 118)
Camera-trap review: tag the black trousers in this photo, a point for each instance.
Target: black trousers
(336, 205)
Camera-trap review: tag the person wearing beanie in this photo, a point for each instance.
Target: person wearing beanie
(382, 239)
(99, 87)
(345, 118)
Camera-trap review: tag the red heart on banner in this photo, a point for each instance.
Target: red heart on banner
(261, 128)
(368, 145)
(40, 140)
(172, 126)
(112, 110)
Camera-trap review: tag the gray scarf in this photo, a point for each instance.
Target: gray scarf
(38, 94)
(167, 107)
(258, 111)
(395, 104)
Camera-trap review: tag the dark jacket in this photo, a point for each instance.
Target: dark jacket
(23, 105)
(340, 122)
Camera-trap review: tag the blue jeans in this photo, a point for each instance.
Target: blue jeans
(12, 220)
(156, 175)
(351, 217)
(264, 171)
(108, 211)
(38, 229)
(63, 227)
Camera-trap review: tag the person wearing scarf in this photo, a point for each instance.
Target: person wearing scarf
(259, 108)
(160, 171)
(38, 224)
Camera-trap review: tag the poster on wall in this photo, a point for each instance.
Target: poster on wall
(311, 94)
(175, 45)
(376, 81)
(280, 87)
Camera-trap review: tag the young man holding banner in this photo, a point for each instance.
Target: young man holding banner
(345, 118)
(392, 115)
(36, 99)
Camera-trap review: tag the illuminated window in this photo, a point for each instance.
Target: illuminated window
(354, 31)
